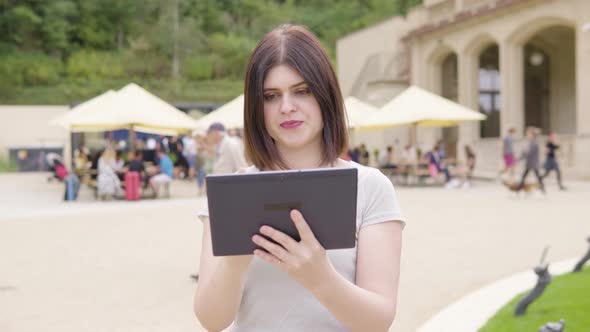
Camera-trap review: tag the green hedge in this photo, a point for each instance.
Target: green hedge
(95, 66)
(6, 165)
(68, 92)
(18, 69)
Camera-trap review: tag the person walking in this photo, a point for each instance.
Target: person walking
(531, 157)
(229, 150)
(508, 153)
(551, 163)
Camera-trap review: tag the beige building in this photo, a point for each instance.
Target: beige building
(521, 62)
(28, 127)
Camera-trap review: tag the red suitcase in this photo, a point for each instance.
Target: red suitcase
(132, 186)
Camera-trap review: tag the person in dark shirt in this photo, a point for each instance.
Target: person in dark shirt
(94, 164)
(551, 163)
(531, 157)
(364, 155)
(135, 163)
(176, 146)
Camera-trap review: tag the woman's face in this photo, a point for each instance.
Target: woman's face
(292, 115)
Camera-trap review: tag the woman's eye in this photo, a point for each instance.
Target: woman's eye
(305, 91)
(270, 97)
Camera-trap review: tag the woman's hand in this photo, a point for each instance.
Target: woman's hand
(306, 261)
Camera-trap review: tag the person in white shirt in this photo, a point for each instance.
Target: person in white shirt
(229, 151)
(294, 118)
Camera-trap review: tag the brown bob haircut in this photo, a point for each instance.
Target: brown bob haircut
(297, 48)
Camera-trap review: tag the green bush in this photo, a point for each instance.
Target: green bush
(95, 65)
(146, 65)
(232, 53)
(199, 67)
(29, 69)
(6, 165)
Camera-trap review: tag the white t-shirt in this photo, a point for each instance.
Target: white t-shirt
(229, 156)
(273, 301)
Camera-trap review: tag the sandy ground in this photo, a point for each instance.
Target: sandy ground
(125, 266)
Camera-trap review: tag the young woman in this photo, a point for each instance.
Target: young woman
(294, 118)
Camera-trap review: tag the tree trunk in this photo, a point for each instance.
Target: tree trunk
(175, 57)
(120, 36)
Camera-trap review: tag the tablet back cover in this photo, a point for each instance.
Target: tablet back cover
(239, 204)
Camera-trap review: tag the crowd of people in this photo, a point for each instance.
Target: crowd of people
(531, 157)
(159, 160)
(413, 164)
(434, 163)
(191, 157)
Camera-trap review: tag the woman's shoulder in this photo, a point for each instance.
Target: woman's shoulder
(369, 175)
(249, 169)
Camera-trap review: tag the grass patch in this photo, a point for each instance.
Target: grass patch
(6, 165)
(69, 92)
(567, 297)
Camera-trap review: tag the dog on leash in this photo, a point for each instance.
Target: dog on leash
(513, 186)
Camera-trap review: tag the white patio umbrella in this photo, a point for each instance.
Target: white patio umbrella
(418, 107)
(231, 115)
(357, 111)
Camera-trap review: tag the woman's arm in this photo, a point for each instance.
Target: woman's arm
(220, 287)
(367, 306)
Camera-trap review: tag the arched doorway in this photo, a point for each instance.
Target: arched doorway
(489, 91)
(549, 62)
(449, 89)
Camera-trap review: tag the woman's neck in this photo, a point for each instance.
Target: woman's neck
(302, 159)
(309, 156)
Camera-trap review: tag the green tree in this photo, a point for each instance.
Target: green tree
(20, 26)
(57, 27)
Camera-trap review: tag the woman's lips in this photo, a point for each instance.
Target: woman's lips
(291, 124)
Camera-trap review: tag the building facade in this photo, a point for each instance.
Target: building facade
(520, 62)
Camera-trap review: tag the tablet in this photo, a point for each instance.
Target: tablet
(239, 204)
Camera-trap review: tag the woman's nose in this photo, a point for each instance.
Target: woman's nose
(287, 104)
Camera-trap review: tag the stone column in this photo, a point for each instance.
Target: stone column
(582, 74)
(512, 87)
(468, 96)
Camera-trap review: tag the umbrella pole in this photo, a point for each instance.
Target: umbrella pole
(414, 135)
(132, 138)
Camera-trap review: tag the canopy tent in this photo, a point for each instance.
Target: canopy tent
(230, 114)
(416, 106)
(83, 110)
(131, 107)
(357, 111)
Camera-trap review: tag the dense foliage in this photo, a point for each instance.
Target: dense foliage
(73, 49)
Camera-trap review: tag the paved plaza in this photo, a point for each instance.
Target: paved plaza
(125, 266)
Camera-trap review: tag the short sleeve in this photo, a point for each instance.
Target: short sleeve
(203, 213)
(380, 201)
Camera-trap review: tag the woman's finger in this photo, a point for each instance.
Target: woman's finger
(302, 227)
(265, 256)
(273, 248)
(281, 238)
